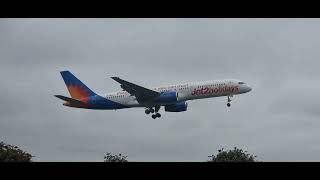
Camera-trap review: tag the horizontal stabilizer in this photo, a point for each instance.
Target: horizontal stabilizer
(74, 101)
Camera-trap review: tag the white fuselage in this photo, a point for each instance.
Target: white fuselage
(187, 91)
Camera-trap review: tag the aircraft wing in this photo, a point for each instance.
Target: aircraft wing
(141, 93)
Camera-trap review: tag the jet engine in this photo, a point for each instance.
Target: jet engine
(167, 97)
(177, 107)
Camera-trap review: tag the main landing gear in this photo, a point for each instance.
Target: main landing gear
(156, 115)
(148, 110)
(155, 110)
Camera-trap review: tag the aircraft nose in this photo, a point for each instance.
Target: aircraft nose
(249, 89)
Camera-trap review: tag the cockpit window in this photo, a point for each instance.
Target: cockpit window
(240, 82)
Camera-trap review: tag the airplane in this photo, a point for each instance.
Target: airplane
(173, 97)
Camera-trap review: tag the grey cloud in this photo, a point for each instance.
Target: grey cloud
(277, 57)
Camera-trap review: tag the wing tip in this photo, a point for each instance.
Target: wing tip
(59, 96)
(114, 77)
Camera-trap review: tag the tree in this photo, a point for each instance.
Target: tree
(9, 153)
(115, 158)
(235, 155)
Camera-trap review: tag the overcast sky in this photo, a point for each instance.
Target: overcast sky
(279, 120)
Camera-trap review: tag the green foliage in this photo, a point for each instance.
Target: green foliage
(114, 158)
(9, 153)
(235, 155)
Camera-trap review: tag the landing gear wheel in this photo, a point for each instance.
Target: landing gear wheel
(147, 111)
(228, 104)
(154, 116)
(158, 115)
(152, 110)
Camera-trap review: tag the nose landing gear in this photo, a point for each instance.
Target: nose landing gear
(229, 100)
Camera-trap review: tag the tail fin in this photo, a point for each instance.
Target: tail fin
(76, 88)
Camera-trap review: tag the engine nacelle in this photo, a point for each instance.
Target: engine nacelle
(167, 97)
(177, 107)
